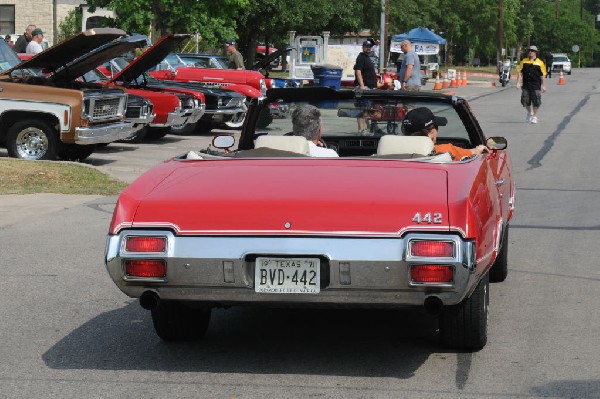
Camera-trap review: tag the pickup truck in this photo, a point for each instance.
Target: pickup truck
(46, 118)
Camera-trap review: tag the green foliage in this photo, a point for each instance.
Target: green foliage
(469, 26)
(70, 25)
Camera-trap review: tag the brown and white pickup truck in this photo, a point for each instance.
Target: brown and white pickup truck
(46, 118)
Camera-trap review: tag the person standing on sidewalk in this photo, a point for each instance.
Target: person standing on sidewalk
(531, 77)
(410, 70)
(365, 78)
(236, 60)
(364, 69)
(23, 40)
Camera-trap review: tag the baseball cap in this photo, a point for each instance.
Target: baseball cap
(37, 31)
(419, 119)
(534, 48)
(230, 43)
(367, 43)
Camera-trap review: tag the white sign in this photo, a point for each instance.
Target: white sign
(575, 48)
(420, 48)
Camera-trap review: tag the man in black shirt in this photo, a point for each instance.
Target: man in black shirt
(364, 70)
(24, 39)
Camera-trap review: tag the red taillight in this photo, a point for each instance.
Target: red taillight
(145, 244)
(145, 268)
(432, 274)
(432, 249)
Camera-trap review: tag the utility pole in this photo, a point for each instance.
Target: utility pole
(382, 35)
(500, 31)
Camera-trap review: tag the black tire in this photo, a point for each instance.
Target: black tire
(499, 269)
(204, 127)
(503, 83)
(264, 118)
(569, 73)
(33, 140)
(464, 326)
(137, 137)
(75, 152)
(174, 321)
(156, 133)
(184, 130)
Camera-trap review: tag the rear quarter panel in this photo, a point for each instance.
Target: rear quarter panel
(475, 205)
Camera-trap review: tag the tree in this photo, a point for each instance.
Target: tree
(270, 20)
(70, 25)
(214, 20)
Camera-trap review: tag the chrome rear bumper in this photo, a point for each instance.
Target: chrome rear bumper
(372, 272)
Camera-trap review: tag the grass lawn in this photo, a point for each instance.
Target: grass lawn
(29, 177)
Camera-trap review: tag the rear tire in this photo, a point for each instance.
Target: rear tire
(464, 326)
(174, 321)
(33, 140)
(499, 269)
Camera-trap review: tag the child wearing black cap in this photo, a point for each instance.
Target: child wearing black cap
(421, 122)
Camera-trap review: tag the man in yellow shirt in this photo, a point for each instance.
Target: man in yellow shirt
(532, 75)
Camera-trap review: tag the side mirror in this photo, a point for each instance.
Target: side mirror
(223, 141)
(496, 143)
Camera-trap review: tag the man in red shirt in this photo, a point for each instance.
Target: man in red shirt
(422, 122)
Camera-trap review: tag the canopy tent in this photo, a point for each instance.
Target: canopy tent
(424, 41)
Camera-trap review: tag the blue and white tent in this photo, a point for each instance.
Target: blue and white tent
(424, 41)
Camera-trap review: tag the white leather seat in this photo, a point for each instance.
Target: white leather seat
(295, 144)
(391, 144)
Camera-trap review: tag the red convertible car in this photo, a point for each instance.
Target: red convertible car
(388, 223)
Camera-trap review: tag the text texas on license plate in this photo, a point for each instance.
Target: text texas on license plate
(287, 275)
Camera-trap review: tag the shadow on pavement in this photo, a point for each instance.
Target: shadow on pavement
(378, 343)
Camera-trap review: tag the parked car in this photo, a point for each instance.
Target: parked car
(171, 110)
(222, 106)
(203, 60)
(561, 62)
(387, 224)
(44, 116)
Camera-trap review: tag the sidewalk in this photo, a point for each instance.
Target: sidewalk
(14, 208)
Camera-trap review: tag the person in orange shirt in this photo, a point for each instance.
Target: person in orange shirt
(422, 122)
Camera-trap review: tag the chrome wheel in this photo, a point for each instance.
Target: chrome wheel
(236, 121)
(31, 143)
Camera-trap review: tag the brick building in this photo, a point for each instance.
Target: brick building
(15, 15)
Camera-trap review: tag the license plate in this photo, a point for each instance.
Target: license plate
(287, 275)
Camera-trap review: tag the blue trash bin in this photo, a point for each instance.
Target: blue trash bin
(327, 76)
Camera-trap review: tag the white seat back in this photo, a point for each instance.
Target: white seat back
(297, 144)
(390, 144)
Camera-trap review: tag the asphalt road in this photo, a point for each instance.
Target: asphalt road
(68, 332)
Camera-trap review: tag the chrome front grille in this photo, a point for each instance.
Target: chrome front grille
(105, 108)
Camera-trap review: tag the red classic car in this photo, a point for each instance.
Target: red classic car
(388, 223)
(169, 109)
(222, 106)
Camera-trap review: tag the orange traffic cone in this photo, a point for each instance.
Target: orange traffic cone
(453, 80)
(561, 78)
(464, 78)
(438, 84)
(445, 82)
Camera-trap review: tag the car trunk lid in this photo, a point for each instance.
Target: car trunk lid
(298, 197)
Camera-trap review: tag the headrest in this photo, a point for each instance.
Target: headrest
(390, 144)
(297, 144)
